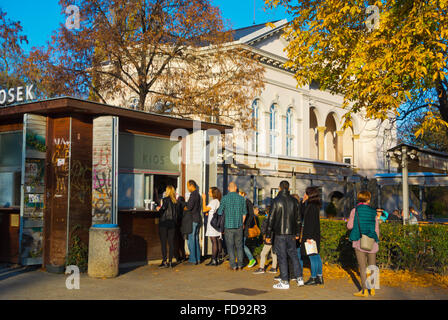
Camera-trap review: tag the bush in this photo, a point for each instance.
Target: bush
(413, 247)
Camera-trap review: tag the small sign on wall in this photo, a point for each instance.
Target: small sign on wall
(14, 221)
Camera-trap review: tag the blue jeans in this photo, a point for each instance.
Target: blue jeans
(234, 240)
(247, 250)
(193, 244)
(316, 265)
(300, 257)
(315, 261)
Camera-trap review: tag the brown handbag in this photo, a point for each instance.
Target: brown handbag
(254, 231)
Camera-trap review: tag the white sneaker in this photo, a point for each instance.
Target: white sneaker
(300, 282)
(281, 285)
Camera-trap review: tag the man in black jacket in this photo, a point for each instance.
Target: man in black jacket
(284, 224)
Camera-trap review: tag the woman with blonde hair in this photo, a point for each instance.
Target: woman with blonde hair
(167, 224)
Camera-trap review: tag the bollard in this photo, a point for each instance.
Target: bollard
(104, 247)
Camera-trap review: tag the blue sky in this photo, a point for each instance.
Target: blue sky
(40, 18)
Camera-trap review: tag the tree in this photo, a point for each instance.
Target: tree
(399, 67)
(433, 138)
(173, 56)
(11, 52)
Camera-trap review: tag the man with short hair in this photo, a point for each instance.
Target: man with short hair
(284, 225)
(194, 208)
(233, 206)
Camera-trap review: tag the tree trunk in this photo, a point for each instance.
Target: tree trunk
(443, 101)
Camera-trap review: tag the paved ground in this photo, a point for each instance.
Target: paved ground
(185, 282)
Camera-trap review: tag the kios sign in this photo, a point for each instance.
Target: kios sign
(18, 94)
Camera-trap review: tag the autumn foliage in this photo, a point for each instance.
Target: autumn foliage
(167, 56)
(379, 71)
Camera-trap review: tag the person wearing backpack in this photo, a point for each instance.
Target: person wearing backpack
(167, 225)
(267, 247)
(364, 226)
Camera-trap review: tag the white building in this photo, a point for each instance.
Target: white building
(299, 132)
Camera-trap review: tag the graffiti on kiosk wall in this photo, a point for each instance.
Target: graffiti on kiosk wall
(80, 180)
(60, 162)
(102, 184)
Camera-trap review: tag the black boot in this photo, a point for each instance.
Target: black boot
(210, 262)
(311, 282)
(320, 279)
(163, 265)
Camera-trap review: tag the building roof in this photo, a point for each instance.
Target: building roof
(261, 31)
(242, 32)
(69, 105)
(420, 149)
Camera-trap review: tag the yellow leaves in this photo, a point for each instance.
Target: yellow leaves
(271, 25)
(431, 122)
(391, 278)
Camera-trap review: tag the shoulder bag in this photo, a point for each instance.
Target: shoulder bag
(366, 242)
(254, 231)
(217, 222)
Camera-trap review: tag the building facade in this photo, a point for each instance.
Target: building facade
(299, 134)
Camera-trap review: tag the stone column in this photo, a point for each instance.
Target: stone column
(321, 139)
(303, 132)
(355, 149)
(104, 170)
(299, 139)
(339, 146)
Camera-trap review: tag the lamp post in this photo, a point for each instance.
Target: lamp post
(405, 184)
(402, 156)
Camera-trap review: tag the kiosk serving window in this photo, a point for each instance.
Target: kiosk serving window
(10, 168)
(145, 168)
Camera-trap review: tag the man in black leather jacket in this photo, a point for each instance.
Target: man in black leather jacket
(284, 225)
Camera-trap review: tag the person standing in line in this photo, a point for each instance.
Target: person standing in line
(193, 207)
(284, 224)
(234, 207)
(249, 223)
(167, 225)
(311, 232)
(179, 238)
(366, 225)
(267, 247)
(215, 236)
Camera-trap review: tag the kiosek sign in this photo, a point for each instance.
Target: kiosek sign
(18, 94)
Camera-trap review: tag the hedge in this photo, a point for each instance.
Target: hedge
(411, 247)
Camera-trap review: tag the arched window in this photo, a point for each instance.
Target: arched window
(288, 132)
(272, 129)
(255, 117)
